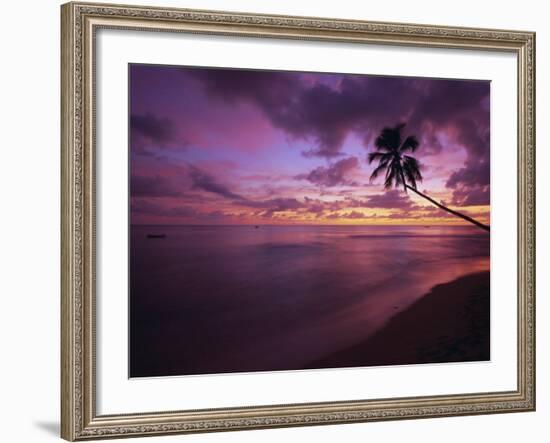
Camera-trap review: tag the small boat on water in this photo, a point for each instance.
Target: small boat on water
(256, 227)
(156, 235)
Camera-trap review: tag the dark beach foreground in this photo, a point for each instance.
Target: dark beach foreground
(449, 324)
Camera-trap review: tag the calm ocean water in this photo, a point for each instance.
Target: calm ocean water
(213, 299)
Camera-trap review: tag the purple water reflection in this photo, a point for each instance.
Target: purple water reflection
(215, 299)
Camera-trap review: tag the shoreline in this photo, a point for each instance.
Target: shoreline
(451, 323)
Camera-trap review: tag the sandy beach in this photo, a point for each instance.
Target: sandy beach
(449, 324)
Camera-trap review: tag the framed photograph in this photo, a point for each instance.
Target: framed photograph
(282, 221)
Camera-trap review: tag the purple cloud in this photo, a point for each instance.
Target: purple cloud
(472, 195)
(144, 206)
(474, 177)
(149, 132)
(206, 182)
(393, 199)
(354, 215)
(333, 175)
(269, 207)
(327, 114)
(241, 136)
(159, 130)
(301, 110)
(157, 186)
(147, 207)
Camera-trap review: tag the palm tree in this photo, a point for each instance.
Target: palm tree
(403, 169)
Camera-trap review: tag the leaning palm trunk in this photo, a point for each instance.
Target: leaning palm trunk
(458, 214)
(401, 168)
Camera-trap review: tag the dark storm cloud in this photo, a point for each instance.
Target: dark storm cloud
(301, 111)
(360, 103)
(334, 175)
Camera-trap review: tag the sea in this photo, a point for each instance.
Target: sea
(227, 299)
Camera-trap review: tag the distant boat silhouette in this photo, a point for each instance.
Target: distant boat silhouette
(256, 227)
(156, 235)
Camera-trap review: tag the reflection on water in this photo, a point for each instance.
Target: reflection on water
(212, 299)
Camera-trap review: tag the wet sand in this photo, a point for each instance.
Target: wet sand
(449, 324)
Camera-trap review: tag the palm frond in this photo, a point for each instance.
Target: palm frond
(409, 175)
(389, 138)
(411, 169)
(382, 143)
(410, 144)
(381, 166)
(390, 176)
(414, 166)
(393, 174)
(398, 173)
(377, 155)
(400, 169)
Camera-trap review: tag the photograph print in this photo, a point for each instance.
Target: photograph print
(285, 220)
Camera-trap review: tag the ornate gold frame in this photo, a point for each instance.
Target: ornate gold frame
(79, 420)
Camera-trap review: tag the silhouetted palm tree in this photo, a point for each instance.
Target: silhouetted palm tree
(403, 169)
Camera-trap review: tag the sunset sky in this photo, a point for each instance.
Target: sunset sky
(221, 146)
